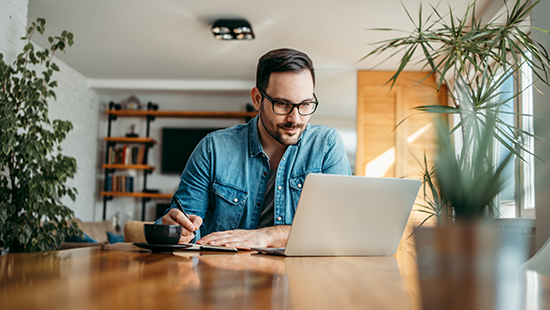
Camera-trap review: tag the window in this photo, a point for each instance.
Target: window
(517, 196)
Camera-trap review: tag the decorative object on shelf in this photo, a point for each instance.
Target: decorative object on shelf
(232, 29)
(115, 219)
(114, 106)
(34, 174)
(132, 103)
(132, 134)
(152, 106)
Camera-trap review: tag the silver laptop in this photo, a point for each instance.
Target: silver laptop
(349, 216)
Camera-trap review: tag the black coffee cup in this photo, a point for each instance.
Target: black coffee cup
(162, 234)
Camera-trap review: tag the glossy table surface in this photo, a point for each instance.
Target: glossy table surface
(122, 276)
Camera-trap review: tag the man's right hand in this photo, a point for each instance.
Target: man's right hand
(191, 224)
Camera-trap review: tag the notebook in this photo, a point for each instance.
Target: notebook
(349, 216)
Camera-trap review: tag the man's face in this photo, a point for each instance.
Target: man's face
(295, 87)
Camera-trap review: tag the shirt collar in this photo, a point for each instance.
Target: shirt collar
(254, 144)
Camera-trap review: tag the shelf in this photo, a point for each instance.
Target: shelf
(150, 115)
(126, 167)
(184, 114)
(130, 140)
(138, 195)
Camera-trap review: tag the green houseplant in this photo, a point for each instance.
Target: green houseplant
(34, 172)
(474, 60)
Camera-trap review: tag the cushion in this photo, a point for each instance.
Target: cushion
(133, 231)
(96, 230)
(86, 239)
(114, 238)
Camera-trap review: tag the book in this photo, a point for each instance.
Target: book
(118, 156)
(110, 155)
(126, 160)
(109, 183)
(129, 184)
(209, 248)
(113, 183)
(135, 151)
(141, 154)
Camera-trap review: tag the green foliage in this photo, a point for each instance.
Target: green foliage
(470, 181)
(33, 170)
(474, 60)
(436, 204)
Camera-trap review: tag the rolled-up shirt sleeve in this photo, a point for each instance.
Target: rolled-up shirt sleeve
(194, 186)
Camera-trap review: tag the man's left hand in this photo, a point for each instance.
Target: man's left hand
(275, 236)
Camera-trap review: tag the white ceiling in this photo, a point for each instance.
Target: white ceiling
(171, 39)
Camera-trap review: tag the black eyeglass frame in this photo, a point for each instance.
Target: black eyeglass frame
(294, 105)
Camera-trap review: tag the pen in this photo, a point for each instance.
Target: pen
(183, 211)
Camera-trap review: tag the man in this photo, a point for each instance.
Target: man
(241, 185)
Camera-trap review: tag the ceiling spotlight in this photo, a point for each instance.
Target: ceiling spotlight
(220, 30)
(232, 29)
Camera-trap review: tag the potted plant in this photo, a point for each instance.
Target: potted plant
(34, 171)
(474, 60)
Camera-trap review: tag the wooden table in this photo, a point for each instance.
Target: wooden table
(122, 276)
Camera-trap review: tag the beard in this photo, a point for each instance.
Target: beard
(276, 132)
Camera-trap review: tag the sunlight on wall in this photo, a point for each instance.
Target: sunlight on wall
(381, 164)
(418, 133)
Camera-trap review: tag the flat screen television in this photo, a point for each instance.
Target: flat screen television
(177, 146)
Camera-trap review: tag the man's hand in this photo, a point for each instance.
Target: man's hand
(275, 236)
(191, 224)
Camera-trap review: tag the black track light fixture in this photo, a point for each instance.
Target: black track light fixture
(232, 29)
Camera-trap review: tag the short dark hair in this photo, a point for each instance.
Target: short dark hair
(282, 60)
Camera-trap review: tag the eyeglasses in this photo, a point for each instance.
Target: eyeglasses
(281, 107)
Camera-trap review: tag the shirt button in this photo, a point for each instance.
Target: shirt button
(265, 173)
(279, 187)
(299, 185)
(283, 158)
(235, 200)
(279, 218)
(258, 204)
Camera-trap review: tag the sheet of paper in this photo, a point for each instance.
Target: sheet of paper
(209, 247)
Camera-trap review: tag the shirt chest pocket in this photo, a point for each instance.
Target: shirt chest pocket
(229, 205)
(296, 185)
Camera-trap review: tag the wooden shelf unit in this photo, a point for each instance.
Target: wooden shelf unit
(137, 195)
(130, 140)
(181, 114)
(150, 114)
(127, 167)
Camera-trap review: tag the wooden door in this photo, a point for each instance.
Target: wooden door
(385, 149)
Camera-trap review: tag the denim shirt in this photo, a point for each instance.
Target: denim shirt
(224, 181)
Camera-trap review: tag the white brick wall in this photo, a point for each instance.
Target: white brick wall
(75, 102)
(13, 22)
(79, 104)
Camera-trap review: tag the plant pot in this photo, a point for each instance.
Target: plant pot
(470, 265)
